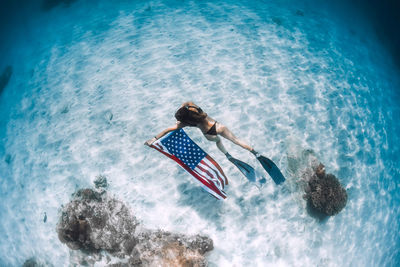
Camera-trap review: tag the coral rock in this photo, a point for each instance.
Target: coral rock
(325, 193)
(94, 223)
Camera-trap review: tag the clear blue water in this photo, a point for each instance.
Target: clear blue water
(93, 81)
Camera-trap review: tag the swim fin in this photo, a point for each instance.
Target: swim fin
(243, 167)
(272, 169)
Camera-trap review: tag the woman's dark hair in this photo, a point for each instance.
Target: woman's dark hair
(190, 117)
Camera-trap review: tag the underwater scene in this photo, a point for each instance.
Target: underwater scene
(307, 84)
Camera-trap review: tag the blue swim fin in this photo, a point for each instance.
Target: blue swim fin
(272, 169)
(243, 167)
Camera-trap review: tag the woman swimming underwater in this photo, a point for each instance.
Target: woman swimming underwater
(190, 114)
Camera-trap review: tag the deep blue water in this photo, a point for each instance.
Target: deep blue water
(92, 80)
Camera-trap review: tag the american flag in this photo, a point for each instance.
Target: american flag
(178, 146)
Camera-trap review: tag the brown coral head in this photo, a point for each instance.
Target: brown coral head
(326, 194)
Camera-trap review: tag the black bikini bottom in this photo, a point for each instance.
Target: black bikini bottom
(213, 130)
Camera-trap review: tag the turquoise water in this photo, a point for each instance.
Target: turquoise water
(91, 82)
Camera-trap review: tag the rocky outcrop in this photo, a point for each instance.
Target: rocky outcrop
(324, 192)
(94, 223)
(159, 248)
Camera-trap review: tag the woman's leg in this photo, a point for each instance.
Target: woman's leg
(226, 133)
(217, 140)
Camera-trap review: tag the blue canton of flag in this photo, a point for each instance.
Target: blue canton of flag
(184, 148)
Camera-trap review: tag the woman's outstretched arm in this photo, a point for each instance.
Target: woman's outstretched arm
(177, 126)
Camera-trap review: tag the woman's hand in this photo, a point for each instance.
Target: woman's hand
(178, 125)
(150, 141)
